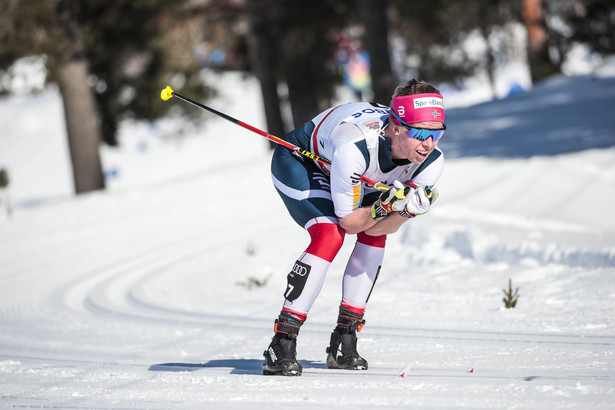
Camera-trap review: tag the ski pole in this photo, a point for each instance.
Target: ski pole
(167, 93)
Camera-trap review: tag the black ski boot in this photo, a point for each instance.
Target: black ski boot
(342, 351)
(281, 355)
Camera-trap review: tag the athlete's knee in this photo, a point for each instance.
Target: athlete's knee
(326, 240)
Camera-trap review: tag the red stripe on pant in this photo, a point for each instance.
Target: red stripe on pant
(375, 241)
(299, 315)
(354, 309)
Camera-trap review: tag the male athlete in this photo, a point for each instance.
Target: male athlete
(389, 145)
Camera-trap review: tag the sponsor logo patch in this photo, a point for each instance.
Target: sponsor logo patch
(428, 102)
(296, 280)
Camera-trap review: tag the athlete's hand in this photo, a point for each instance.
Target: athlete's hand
(418, 201)
(389, 201)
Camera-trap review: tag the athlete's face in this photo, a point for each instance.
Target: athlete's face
(412, 149)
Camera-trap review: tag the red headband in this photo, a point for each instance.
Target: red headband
(418, 108)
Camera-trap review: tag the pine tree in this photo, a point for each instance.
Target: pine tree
(510, 297)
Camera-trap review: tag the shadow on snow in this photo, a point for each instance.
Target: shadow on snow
(560, 115)
(237, 366)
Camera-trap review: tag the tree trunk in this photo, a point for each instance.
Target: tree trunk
(81, 126)
(263, 59)
(79, 106)
(535, 17)
(302, 93)
(483, 27)
(374, 18)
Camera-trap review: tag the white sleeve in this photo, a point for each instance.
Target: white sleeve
(347, 166)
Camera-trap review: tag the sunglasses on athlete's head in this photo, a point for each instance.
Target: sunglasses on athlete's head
(421, 134)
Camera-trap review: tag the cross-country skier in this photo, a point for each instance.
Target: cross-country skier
(390, 145)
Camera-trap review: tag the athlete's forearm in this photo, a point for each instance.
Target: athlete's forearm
(358, 221)
(389, 225)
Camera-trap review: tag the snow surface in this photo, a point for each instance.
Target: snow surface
(144, 296)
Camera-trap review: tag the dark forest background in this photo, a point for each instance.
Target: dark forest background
(108, 58)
